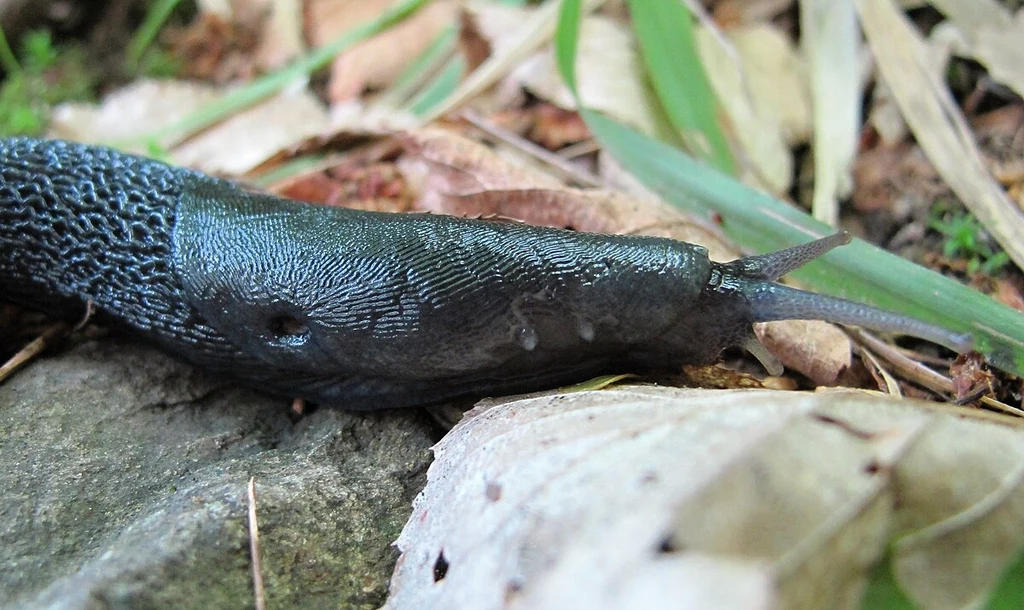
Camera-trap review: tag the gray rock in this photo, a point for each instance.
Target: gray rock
(123, 480)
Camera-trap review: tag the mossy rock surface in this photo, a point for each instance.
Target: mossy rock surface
(124, 477)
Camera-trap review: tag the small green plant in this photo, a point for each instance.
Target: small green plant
(46, 75)
(966, 238)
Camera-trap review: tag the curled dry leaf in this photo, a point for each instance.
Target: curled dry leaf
(654, 497)
(817, 349)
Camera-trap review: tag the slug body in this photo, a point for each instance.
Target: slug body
(365, 310)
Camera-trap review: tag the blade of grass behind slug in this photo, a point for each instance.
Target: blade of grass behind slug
(270, 84)
(665, 33)
(859, 271)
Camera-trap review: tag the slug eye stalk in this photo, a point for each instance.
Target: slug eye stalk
(754, 277)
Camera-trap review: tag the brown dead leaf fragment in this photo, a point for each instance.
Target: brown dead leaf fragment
(816, 349)
(653, 497)
(219, 48)
(377, 188)
(376, 62)
(971, 378)
(554, 128)
(461, 177)
(1000, 135)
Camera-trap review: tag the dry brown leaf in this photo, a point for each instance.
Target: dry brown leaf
(378, 61)
(655, 497)
(817, 349)
(461, 177)
(736, 12)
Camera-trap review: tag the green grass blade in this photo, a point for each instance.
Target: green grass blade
(1009, 592)
(883, 592)
(860, 271)
(156, 15)
(566, 40)
(7, 58)
(438, 90)
(262, 88)
(665, 33)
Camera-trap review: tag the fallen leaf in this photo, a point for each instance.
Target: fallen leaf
(373, 63)
(128, 116)
(129, 113)
(743, 498)
(937, 123)
(455, 175)
(249, 137)
(608, 68)
(990, 34)
(816, 349)
(761, 82)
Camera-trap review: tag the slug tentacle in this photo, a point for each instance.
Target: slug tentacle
(776, 302)
(774, 265)
(767, 301)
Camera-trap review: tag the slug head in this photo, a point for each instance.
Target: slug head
(748, 284)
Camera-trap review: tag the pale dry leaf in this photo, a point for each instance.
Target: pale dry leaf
(130, 113)
(600, 499)
(762, 86)
(885, 117)
(975, 15)
(523, 39)
(609, 75)
(937, 122)
(995, 44)
(830, 40)
(373, 63)
(251, 136)
(281, 39)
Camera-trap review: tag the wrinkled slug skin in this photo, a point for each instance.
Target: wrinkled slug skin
(352, 309)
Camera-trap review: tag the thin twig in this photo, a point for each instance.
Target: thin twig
(905, 367)
(51, 335)
(259, 592)
(920, 374)
(564, 167)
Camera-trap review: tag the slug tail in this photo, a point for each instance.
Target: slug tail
(770, 301)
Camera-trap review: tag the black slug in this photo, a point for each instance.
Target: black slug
(365, 310)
